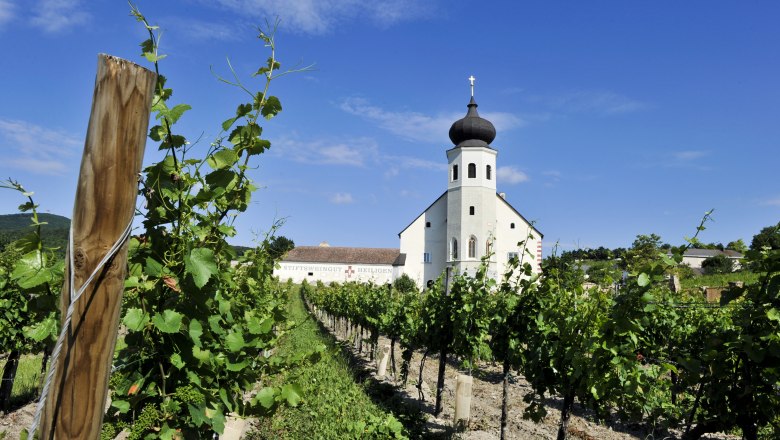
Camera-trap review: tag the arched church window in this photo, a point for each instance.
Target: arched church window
(487, 173)
(454, 249)
(488, 247)
(472, 171)
(454, 172)
(473, 247)
(471, 210)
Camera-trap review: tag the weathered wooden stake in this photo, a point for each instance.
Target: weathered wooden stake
(105, 204)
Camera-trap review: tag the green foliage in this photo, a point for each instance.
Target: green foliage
(603, 272)
(767, 237)
(644, 249)
(717, 264)
(279, 246)
(405, 283)
(737, 245)
(30, 281)
(201, 325)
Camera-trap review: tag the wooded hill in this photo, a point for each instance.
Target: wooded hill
(54, 232)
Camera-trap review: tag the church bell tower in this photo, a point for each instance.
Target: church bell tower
(471, 190)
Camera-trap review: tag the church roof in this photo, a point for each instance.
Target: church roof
(497, 195)
(521, 215)
(424, 211)
(345, 255)
(472, 130)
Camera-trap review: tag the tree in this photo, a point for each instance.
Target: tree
(718, 264)
(279, 246)
(738, 246)
(644, 249)
(405, 284)
(768, 237)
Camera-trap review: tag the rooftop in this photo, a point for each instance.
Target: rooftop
(345, 255)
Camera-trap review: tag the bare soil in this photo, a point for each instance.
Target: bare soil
(14, 422)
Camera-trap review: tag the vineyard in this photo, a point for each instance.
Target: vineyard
(676, 365)
(207, 337)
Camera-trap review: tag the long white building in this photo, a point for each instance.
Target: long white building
(469, 221)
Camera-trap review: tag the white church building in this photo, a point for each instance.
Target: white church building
(469, 221)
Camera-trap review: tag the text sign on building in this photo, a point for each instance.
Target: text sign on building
(335, 272)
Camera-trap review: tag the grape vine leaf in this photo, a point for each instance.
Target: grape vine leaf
(266, 397)
(135, 319)
(222, 159)
(235, 341)
(30, 271)
(217, 419)
(200, 264)
(271, 107)
(291, 393)
(196, 329)
(42, 329)
(168, 322)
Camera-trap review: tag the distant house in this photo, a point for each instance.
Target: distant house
(694, 257)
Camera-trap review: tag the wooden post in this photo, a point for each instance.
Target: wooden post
(105, 204)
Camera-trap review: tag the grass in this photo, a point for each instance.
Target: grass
(28, 376)
(719, 280)
(340, 400)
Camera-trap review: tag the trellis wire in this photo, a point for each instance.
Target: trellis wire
(69, 314)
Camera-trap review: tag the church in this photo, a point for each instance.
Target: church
(469, 221)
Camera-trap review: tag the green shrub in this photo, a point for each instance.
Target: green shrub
(405, 284)
(718, 264)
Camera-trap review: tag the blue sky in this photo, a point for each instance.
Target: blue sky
(614, 118)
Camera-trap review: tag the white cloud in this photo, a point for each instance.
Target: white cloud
(591, 101)
(37, 149)
(420, 127)
(414, 162)
(59, 15)
(341, 198)
(771, 202)
(511, 175)
(324, 16)
(7, 12)
(351, 152)
(689, 155)
(687, 159)
(198, 30)
(356, 152)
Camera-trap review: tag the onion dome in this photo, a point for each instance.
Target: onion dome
(472, 130)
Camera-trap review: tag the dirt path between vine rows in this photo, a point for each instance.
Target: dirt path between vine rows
(485, 421)
(14, 422)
